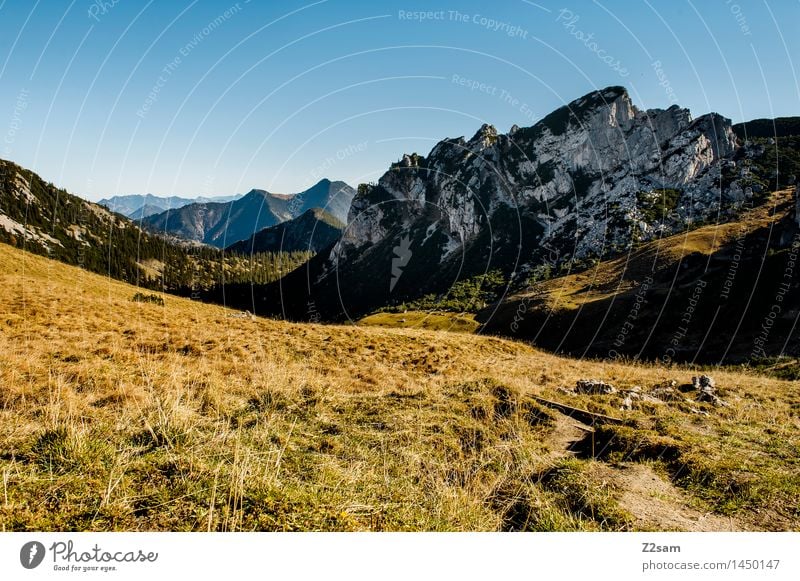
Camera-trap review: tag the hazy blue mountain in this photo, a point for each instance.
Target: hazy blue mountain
(223, 224)
(313, 230)
(131, 204)
(145, 211)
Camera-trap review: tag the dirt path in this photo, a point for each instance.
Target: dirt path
(656, 503)
(653, 501)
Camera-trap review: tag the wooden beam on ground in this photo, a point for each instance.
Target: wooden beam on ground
(585, 416)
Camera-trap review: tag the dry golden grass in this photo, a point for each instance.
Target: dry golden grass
(120, 415)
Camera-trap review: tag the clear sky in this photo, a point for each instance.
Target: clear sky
(199, 97)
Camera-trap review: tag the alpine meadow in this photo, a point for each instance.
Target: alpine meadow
(340, 267)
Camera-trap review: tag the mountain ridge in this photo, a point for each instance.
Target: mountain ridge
(131, 205)
(313, 230)
(46, 220)
(702, 296)
(223, 224)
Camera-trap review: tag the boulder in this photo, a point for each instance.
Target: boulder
(708, 396)
(703, 382)
(706, 391)
(636, 394)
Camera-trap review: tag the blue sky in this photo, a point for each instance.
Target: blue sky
(201, 98)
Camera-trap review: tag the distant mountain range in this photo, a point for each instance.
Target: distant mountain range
(222, 224)
(138, 206)
(144, 212)
(314, 230)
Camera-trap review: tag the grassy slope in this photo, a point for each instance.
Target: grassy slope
(616, 275)
(583, 312)
(620, 275)
(117, 415)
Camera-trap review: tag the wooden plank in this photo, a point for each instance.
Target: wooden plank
(585, 416)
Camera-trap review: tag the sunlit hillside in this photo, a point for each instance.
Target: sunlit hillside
(118, 414)
(701, 295)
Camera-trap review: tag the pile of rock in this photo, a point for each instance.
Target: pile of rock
(242, 315)
(668, 391)
(636, 394)
(594, 387)
(663, 393)
(706, 390)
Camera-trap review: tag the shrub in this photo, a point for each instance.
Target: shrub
(143, 298)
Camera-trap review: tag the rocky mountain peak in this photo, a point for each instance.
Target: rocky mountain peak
(613, 104)
(255, 194)
(485, 137)
(588, 181)
(719, 131)
(408, 161)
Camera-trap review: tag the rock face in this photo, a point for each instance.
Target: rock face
(588, 181)
(576, 173)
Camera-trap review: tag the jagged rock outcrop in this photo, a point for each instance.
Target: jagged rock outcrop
(588, 181)
(578, 172)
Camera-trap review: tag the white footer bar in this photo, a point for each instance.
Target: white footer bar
(406, 556)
